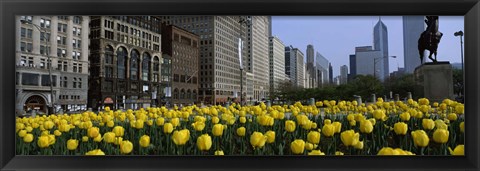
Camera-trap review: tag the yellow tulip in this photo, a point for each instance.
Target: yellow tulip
(217, 130)
(316, 152)
(64, 128)
(439, 124)
(29, 129)
(441, 136)
(126, 147)
(198, 126)
(241, 131)
(109, 137)
(349, 138)
(338, 127)
(219, 153)
(297, 146)
(93, 132)
(181, 137)
(175, 122)
(366, 126)
(339, 153)
(43, 141)
(204, 142)
(309, 146)
(110, 124)
(28, 138)
(420, 138)
(459, 150)
(168, 128)
(95, 152)
(270, 136)
(139, 124)
(350, 117)
(243, 119)
(72, 144)
(290, 126)
(452, 117)
(119, 131)
(359, 145)
(22, 133)
(98, 138)
(460, 109)
(48, 124)
(84, 139)
(405, 116)
(379, 114)
(328, 130)
(462, 127)
(391, 151)
(160, 121)
(144, 141)
(400, 128)
(428, 124)
(313, 137)
(57, 133)
(353, 123)
(257, 140)
(215, 120)
(327, 121)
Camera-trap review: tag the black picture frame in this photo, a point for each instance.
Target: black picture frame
(9, 8)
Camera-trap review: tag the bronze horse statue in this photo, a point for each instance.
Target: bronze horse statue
(430, 38)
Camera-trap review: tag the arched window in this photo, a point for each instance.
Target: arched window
(175, 94)
(182, 94)
(108, 61)
(189, 94)
(134, 64)
(146, 67)
(156, 64)
(109, 54)
(194, 95)
(121, 62)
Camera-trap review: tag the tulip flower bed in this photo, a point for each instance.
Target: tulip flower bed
(326, 128)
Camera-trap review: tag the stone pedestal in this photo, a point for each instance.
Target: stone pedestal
(434, 81)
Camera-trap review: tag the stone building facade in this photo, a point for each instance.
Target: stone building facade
(183, 48)
(125, 62)
(65, 40)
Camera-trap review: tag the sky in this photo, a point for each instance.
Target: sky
(335, 37)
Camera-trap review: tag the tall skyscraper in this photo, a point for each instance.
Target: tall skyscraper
(343, 74)
(364, 60)
(380, 43)
(413, 26)
(258, 58)
(322, 65)
(219, 60)
(59, 44)
(183, 48)
(353, 67)
(294, 65)
(330, 73)
(310, 67)
(277, 63)
(125, 63)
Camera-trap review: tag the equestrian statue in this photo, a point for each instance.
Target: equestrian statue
(430, 38)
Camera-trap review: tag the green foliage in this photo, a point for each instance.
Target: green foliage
(458, 81)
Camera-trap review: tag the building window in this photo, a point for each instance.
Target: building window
(65, 66)
(29, 33)
(80, 68)
(44, 36)
(42, 63)
(23, 32)
(65, 82)
(146, 67)
(79, 82)
(108, 55)
(156, 64)
(74, 82)
(23, 61)
(46, 80)
(30, 79)
(134, 65)
(74, 67)
(77, 19)
(121, 62)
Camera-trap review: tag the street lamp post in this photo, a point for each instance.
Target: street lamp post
(247, 23)
(460, 33)
(52, 105)
(375, 60)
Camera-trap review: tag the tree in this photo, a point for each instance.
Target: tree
(400, 85)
